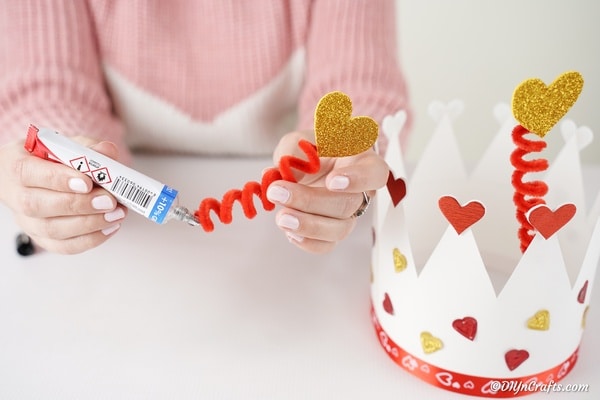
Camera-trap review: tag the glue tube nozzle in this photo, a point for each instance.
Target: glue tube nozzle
(183, 214)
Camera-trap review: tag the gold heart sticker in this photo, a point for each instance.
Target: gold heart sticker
(430, 343)
(538, 107)
(540, 321)
(337, 133)
(399, 260)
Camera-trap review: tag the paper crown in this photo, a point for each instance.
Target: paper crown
(454, 301)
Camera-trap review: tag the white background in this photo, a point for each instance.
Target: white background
(480, 50)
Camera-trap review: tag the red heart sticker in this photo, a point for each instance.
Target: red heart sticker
(548, 222)
(396, 188)
(514, 358)
(466, 326)
(582, 293)
(461, 217)
(387, 305)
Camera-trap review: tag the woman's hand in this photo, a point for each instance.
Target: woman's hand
(58, 207)
(319, 210)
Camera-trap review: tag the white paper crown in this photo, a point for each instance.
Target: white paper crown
(454, 301)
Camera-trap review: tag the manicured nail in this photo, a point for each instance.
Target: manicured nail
(339, 182)
(112, 216)
(110, 229)
(102, 202)
(292, 237)
(278, 194)
(288, 221)
(78, 185)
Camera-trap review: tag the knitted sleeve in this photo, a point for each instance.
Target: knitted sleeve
(50, 73)
(351, 46)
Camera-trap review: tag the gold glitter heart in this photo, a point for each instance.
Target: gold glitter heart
(399, 260)
(540, 321)
(538, 107)
(584, 316)
(430, 343)
(337, 133)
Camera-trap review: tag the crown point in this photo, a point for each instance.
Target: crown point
(392, 124)
(452, 109)
(583, 135)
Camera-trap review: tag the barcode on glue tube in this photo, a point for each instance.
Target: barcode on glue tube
(132, 192)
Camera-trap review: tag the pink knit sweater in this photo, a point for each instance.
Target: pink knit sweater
(203, 76)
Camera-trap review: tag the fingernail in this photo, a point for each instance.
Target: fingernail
(339, 182)
(292, 237)
(102, 202)
(78, 185)
(110, 229)
(278, 194)
(288, 221)
(112, 216)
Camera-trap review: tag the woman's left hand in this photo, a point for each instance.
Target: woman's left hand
(320, 210)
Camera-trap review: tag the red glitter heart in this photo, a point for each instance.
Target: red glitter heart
(396, 188)
(387, 305)
(548, 222)
(461, 217)
(582, 293)
(514, 358)
(466, 326)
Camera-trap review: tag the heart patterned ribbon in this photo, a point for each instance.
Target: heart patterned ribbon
(500, 387)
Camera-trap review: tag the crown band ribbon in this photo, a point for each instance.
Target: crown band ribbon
(469, 384)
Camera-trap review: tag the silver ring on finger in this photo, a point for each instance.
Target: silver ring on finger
(363, 207)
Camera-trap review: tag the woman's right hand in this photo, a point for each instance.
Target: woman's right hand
(57, 206)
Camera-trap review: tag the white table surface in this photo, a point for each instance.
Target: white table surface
(171, 312)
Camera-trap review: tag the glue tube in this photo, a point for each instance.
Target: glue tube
(136, 191)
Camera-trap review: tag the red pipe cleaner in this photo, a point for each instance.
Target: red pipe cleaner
(527, 194)
(223, 209)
